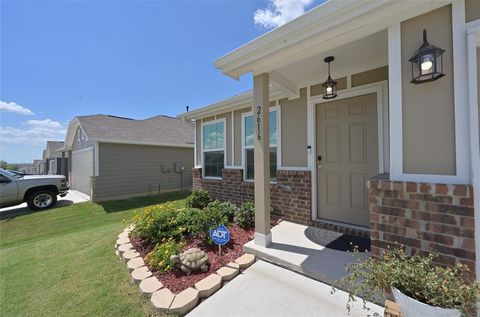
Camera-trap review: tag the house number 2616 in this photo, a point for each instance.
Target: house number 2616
(259, 121)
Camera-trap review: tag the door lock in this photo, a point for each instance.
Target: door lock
(319, 158)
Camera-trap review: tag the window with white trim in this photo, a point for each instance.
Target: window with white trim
(213, 148)
(248, 146)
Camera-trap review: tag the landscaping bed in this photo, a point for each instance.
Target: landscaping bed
(165, 230)
(176, 280)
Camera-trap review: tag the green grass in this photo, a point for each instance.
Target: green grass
(61, 262)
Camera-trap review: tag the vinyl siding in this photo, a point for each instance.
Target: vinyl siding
(138, 170)
(428, 108)
(472, 10)
(294, 131)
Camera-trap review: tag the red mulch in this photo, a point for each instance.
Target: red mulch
(175, 280)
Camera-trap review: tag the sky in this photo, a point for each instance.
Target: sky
(136, 59)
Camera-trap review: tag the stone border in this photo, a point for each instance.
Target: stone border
(161, 297)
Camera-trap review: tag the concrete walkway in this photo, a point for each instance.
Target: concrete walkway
(72, 197)
(265, 289)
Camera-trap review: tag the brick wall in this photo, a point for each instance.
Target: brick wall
(423, 217)
(291, 195)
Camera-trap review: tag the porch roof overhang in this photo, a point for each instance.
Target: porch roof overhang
(229, 104)
(332, 24)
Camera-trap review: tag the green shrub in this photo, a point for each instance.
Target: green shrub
(159, 258)
(198, 222)
(226, 208)
(157, 223)
(415, 276)
(188, 218)
(198, 199)
(245, 216)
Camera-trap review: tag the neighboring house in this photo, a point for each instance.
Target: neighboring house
(36, 166)
(55, 161)
(114, 157)
(417, 143)
(43, 166)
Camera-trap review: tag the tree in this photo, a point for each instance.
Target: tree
(6, 166)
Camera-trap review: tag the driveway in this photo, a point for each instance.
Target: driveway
(265, 289)
(72, 197)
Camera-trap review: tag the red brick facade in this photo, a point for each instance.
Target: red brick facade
(423, 217)
(291, 195)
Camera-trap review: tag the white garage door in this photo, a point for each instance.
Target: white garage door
(82, 170)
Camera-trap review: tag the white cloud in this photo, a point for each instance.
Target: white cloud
(37, 132)
(47, 123)
(13, 107)
(279, 12)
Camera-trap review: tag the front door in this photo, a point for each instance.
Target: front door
(347, 156)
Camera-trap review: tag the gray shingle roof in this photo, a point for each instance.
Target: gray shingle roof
(54, 145)
(158, 129)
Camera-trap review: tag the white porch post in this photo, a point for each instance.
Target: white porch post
(473, 37)
(260, 111)
(62, 164)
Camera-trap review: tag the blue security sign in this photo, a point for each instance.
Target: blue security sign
(220, 235)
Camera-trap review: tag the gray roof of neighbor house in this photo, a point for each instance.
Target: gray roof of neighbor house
(159, 129)
(54, 145)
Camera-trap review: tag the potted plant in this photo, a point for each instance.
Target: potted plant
(419, 287)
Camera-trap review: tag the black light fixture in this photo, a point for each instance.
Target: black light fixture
(330, 85)
(427, 63)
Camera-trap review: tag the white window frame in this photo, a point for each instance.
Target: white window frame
(244, 148)
(211, 122)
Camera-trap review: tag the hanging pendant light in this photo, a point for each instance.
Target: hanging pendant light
(330, 85)
(427, 63)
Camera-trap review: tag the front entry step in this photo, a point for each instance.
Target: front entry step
(292, 249)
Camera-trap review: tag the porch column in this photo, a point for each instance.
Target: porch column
(62, 164)
(260, 111)
(69, 176)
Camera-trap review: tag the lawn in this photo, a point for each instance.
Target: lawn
(61, 262)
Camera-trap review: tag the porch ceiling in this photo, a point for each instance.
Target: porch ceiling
(368, 52)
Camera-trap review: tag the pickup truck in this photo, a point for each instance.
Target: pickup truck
(38, 191)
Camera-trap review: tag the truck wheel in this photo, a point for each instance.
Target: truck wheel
(42, 199)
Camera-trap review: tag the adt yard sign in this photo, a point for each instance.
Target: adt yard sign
(220, 235)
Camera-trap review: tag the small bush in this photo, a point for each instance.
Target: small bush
(227, 209)
(245, 216)
(198, 199)
(415, 276)
(188, 218)
(157, 223)
(159, 258)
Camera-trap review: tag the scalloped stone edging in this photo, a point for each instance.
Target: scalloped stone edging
(161, 297)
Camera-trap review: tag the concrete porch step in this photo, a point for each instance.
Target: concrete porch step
(293, 250)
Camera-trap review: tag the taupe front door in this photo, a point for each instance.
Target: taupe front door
(347, 155)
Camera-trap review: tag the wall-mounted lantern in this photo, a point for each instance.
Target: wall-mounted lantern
(427, 63)
(330, 85)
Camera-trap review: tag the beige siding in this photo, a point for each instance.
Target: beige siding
(294, 131)
(228, 135)
(208, 119)
(428, 109)
(472, 10)
(370, 76)
(137, 170)
(317, 89)
(238, 133)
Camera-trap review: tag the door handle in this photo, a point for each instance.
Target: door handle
(320, 165)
